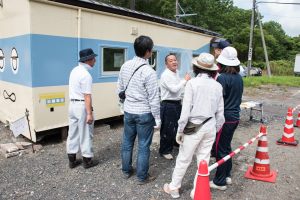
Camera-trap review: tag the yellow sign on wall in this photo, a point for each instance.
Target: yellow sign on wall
(53, 99)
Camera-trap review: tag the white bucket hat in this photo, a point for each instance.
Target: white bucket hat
(228, 57)
(205, 61)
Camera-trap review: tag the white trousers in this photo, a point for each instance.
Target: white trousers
(199, 143)
(80, 135)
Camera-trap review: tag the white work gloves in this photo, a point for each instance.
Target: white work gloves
(157, 124)
(179, 137)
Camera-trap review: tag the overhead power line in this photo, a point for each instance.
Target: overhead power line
(280, 16)
(275, 2)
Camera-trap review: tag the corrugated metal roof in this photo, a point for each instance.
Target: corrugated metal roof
(95, 5)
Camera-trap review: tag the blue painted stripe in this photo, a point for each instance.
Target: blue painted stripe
(47, 60)
(22, 44)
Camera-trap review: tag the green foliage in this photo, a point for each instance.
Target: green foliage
(260, 64)
(257, 81)
(282, 68)
(232, 22)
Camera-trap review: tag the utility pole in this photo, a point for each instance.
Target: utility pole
(251, 38)
(132, 4)
(264, 44)
(177, 11)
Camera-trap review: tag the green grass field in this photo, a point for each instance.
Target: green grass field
(256, 81)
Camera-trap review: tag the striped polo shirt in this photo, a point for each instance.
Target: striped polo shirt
(142, 94)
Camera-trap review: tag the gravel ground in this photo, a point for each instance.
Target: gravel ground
(45, 174)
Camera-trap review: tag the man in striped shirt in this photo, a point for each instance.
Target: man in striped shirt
(141, 108)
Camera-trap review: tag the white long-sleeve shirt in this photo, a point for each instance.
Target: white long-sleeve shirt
(171, 86)
(203, 98)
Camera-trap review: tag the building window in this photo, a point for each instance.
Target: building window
(2, 61)
(153, 60)
(1, 3)
(113, 59)
(195, 55)
(14, 60)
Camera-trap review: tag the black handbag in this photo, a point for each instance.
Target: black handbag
(122, 95)
(192, 128)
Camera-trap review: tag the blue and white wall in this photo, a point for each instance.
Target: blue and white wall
(47, 38)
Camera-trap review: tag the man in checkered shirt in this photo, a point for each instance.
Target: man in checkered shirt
(141, 108)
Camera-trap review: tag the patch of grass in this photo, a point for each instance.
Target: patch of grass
(282, 68)
(291, 81)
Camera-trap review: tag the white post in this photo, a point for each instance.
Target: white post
(264, 44)
(251, 38)
(177, 11)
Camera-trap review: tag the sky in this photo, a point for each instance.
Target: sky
(285, 14)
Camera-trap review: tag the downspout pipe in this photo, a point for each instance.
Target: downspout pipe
(78, 31)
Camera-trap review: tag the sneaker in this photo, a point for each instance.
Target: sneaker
(127, 175)
(214, 186)
(147, 180)
(228, 181)
(174, 193)
(167, 156)
(192, 194)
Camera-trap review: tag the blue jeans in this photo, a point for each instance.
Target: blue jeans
(141, 126)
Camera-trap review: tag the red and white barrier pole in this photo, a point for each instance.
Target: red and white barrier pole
(220, 162)
(294, 109)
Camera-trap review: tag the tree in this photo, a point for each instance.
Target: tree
(232, 22)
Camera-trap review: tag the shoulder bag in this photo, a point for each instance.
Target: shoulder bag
(122, 95)
(192, 128)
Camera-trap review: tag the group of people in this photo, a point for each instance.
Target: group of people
(199, 114)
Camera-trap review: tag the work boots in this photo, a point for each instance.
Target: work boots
(72, 161)
(88, 162)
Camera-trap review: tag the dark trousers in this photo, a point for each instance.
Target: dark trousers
(170, 114)
(222, 148)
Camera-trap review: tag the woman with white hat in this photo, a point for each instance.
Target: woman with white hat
(202, 113)
(232, 84)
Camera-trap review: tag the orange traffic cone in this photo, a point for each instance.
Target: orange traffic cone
(261, 168)
(288, 131)
(202, 191)
(298, 120)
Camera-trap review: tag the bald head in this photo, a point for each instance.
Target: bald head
(171, 62)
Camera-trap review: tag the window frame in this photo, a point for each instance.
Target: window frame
(195, 55)
(2, 67)
(14, 60)
(111, 73)
(156, 59)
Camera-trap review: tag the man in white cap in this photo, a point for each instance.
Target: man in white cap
(81, 120)
(202, 109)
(232, 84)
